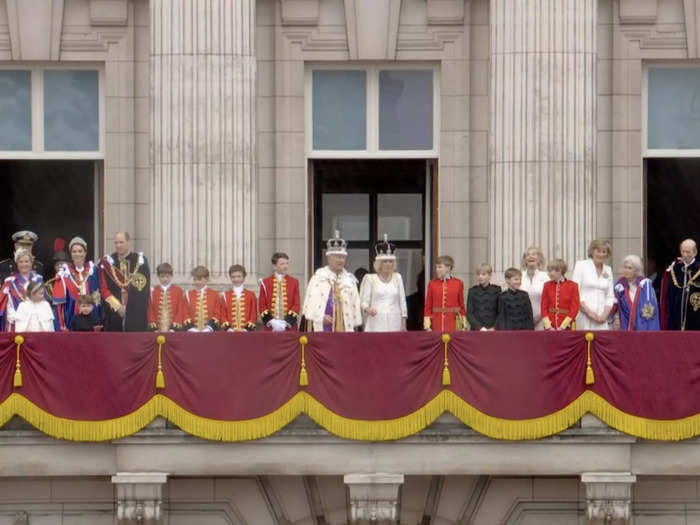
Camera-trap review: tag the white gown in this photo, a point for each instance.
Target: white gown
(534, 287)
(388, 298)
(34, 317)
(596, 291)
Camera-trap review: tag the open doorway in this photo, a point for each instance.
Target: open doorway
(365, 199)
(51, 198)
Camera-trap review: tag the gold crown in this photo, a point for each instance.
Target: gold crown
(336, 245)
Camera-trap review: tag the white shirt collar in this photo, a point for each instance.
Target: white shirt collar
(165, 288)
(279, 276)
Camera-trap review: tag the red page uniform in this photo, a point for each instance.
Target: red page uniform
(279, 299)
(560, 303)
(167, 309)
(204, 309)
(444, 305)
(238, 311)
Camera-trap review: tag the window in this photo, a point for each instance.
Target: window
(372, 111)
(51, 113)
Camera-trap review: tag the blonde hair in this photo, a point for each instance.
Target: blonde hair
(21, 253)
(484, 267)
(446, 260)
(377, 264)
(540, 255)
(599, 244)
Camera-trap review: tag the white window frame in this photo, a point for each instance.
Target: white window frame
(372, 150)
(37, 112)
(655, 153)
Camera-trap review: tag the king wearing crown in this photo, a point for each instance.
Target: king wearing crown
(332, 302)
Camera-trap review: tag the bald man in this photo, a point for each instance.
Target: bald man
(125, 285)
(680, 291)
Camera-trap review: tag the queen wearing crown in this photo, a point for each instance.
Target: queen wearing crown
(382, 293)
(332, 303)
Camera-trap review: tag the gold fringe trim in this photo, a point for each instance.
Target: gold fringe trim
(367, 430)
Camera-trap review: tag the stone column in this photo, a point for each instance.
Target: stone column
(203, 135)
(609, 496)
(542, 137)
(139, 496)
(374, 498)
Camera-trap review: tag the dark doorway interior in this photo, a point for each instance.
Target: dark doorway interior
(52, 199)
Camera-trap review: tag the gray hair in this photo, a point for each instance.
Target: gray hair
(635, 262)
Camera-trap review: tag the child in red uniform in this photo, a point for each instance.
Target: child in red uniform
(279, 297)
(203, 304)
(560, 300)
(444, 300)
(238, 309)
(167, 309)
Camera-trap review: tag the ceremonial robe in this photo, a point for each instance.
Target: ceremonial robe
(680, 296)
(335, 295)
(125, 282)
(71, 282)
(639, 312)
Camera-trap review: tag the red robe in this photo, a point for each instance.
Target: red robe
(560, 304)
(206, 312)
(176, 316)
(269, 298)
(239, 314)
(444, 305)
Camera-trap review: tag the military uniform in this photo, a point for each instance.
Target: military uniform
(8, 266)
(482, 306)
(444, 305)
(514, 311)
(560, 304)
(167, 309)
(279, 299)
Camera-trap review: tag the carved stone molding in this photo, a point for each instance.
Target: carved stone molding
(300, 12)
(374, 497)
(609, 496)
(109, 12)
(692, 27)
(638, 11)
(445, 12)
(35, 29)
(139, 496)
(372, 28)
(656, 37)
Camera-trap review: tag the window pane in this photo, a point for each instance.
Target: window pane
(400, 215)
(406, 110)
(348, 213)
(339, 120)
(71, 111)
(409, 263)
(357, 258)
(674, 108)
(15, 111)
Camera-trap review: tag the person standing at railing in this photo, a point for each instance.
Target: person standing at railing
(279, 302)
(482, 300)
(533, 281)
(34, 314)
(680, 291)
(514, 307)
(560, 299)
(444, 302)
(636, 300)
(595, 286)
(382, 293)
(14, 288)
(332, 302)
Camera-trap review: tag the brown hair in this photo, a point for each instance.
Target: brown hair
(33, 286)
(277, 256)
(200, 271)
(445, 260)
(237, 268)
(513, 272)
(85, 299)
(558, 265)
(164, 268)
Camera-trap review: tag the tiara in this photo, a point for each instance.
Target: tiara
(336, 245)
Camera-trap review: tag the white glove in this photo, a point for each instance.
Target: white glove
(208, 329)
(278, 325)
(193, 330)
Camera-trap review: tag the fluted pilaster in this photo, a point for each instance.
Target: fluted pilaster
(203, 134)
(542, 140)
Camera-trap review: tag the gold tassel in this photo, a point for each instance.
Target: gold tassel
(446, 379)
(160, 377)
(590, 377)
(303, 374)
(17, 383)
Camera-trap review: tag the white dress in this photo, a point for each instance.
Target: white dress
(534, 287)
(596, 291)
(388, 298)
(34, 317)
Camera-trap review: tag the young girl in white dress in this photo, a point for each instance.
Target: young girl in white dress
(382, 294)
(34, 314)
